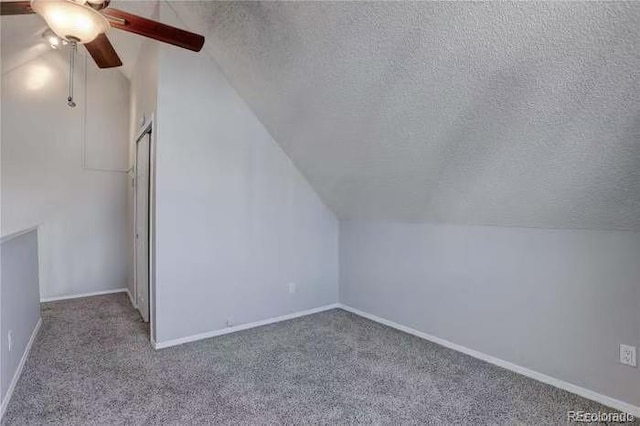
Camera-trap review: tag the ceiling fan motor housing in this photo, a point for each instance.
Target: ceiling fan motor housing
(97, 4)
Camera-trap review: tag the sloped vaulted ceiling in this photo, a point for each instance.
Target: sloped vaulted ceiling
(516, 114)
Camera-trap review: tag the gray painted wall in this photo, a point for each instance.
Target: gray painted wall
(502, 113)
(235, 220)
(143, 94)
(20, 300)
(65, 173)
(555, 301)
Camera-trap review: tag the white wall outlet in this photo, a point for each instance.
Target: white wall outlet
(292, 288)
(229, 322)
(628, 355)
(10, 340)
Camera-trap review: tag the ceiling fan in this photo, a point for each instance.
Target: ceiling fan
(87, 22)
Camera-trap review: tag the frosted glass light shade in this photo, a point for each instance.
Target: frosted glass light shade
(70, 20)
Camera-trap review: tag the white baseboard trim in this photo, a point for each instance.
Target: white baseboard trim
(561, 384)
(235, 328)
(77, 296)
(133, 303)
(16, 376)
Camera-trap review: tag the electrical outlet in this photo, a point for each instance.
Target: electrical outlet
(10, 339)
(229, 322)
(292, 288)
(628, 355)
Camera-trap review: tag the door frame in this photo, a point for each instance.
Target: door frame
(146, 128)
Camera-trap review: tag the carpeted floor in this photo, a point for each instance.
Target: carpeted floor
(92, 364)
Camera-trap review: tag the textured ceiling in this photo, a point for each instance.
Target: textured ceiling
(522, 114)
(515, 114)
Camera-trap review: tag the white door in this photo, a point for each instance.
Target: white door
(142, 225)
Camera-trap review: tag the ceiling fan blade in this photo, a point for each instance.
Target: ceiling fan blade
(152, 29)
(15, 8)
(103, 53)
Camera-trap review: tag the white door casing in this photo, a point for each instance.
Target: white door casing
(142, 180)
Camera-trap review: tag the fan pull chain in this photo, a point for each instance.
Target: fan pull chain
(72, 62)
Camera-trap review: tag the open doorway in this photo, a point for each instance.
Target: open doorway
(142, 222)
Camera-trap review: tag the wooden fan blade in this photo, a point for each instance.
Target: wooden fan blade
(15, 8)
(152, 29)
(103, 53)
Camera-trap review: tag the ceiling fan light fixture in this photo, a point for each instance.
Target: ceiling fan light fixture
(70, 20)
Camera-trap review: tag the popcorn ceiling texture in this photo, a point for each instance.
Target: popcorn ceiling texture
(513, 114)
